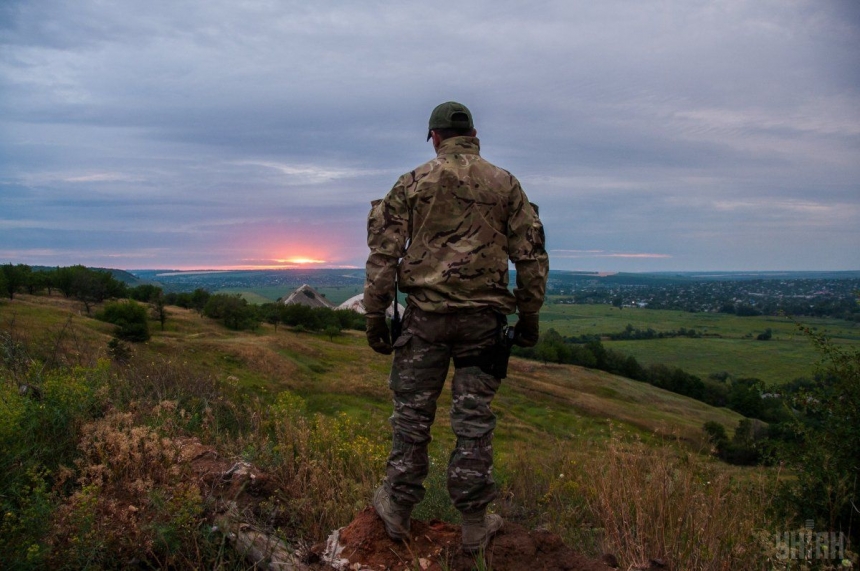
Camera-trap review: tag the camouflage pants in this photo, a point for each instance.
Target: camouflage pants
(421, 358)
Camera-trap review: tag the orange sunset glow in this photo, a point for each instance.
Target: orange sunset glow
(301, 261)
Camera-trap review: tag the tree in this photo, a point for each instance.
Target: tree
(826, 456)
(88, 286)
(14, 277)
(37, 281)
(745, 397)
(272, 313)
(159, 308)
(130, 319)
(146, 293)
(233, 310)
(199, 299)
(716, 433)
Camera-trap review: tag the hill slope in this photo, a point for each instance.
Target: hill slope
(344, 374)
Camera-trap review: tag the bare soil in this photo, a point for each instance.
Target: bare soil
(435, 546)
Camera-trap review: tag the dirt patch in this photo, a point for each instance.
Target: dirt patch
(435, 546)
(363, 545)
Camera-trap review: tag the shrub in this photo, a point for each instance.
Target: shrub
(826, 452)
(327, 466)
(233, 310)
(130, 318)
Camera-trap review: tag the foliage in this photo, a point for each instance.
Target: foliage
(107, 437)
(13, 278)
(232, 310)
(88, 286)
(330, 321)
(746, 447)
(146, 293)
(130, 318)
(632, 333)
(327, 466)
(89, 476)
(826, 457)
(195, 300)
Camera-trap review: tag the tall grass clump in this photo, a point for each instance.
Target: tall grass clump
(641, 502)
(327, 466)
(658, 503)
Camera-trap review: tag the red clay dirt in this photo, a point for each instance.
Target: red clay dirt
(435, 546)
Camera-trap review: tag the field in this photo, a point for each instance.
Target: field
(729, 343)
(260, 295)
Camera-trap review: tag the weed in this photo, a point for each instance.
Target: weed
(328, 466)
(658, 502)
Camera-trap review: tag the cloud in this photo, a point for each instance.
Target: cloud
(575, 254)
(313, 174)
(671, 129)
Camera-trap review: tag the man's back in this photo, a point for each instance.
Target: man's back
(463, 218)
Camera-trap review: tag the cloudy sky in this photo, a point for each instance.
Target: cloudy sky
(672, 135)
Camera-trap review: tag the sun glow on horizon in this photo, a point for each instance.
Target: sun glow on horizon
(301, 261)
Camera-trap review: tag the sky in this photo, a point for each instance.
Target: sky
(680, 135)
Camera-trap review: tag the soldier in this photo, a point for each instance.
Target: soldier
(446, 231)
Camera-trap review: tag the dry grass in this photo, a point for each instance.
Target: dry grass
(643, 502)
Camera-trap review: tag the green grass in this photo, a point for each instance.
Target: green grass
(261, 295)
(729, 344)
(536, 402)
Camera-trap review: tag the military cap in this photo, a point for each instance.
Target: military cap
(450, 115)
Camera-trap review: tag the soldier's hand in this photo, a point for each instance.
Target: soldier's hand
(378, 336)
(527, 330)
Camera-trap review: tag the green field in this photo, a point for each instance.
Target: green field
(729, 344)
(261, 295)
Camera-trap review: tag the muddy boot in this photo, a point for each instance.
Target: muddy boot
(478, 529)
(394, 516)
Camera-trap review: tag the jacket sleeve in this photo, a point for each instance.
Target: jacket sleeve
(526, 249)
(387, 235)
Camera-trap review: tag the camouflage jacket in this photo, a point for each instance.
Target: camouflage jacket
(456, 221)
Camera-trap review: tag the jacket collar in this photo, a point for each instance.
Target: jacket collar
(459, 145)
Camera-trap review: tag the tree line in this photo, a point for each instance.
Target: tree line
(123, 302)
(744, 395)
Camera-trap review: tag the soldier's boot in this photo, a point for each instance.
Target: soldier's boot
(478, 529)
(395, 516)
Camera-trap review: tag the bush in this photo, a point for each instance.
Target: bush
(130, 318)
(826, 452)
(233, 310)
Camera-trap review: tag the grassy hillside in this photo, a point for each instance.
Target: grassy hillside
(581, 452)
(345, 375)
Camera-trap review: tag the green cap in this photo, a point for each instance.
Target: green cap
(450, 115)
